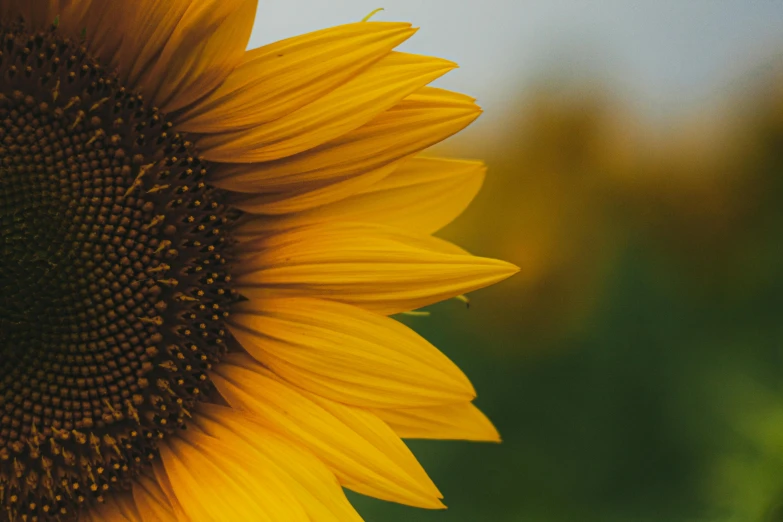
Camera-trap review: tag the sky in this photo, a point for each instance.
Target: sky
(663, 57)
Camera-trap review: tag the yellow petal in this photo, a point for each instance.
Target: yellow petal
(10, 10)
(151, 501)
(277, 79)
(39, 14)
(253, 246)
(421, 120)
(366, 457)
(452, 421)
(160, 478)
(347, 354)
(311, 481)
(207, 43)
(117, 508)
(373, 428)
(311, 195)
(378, 268)
(103, 25)
(153, 24)
(214, 481)
(338, 112)
(421, 194)
(101, 21)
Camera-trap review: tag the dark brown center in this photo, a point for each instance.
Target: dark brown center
(113, 278)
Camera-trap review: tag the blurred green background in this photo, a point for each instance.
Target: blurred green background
(634, 365)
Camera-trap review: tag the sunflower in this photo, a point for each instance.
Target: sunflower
(200, 249)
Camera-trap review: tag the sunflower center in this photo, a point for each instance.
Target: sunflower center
(113, 278)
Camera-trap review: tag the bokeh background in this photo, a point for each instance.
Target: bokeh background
(635, 149)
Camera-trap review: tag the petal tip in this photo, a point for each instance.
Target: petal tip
(506, 268)
(490, 434)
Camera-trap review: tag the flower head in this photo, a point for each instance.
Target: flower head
(199, 249)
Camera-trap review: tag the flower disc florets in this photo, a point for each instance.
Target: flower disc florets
(113, 278)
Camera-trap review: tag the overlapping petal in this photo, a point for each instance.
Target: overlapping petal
(9, 10)
(348, 355)
(204, 45)
(378, 268)
(317, 488)
(153, 24)
(365, 455)
(334, 114)
(277, 79)
(151, 502)
(287, 185)
(161, 479)
(37, 15)
(101, 25)
(116, 508)
(420, 194)
(217, 481)
(462, 421)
